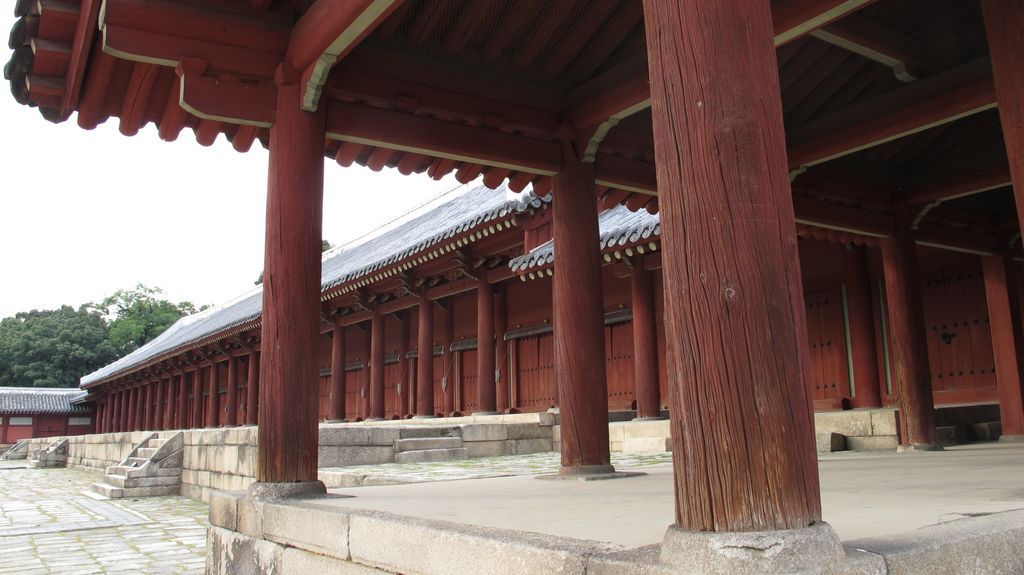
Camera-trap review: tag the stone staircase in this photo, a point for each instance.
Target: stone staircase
(17, 451)
(429, 443)
(53, 455)
(153, 468)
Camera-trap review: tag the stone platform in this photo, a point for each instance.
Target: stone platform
(958, 511)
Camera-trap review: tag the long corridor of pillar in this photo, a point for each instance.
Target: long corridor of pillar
(425, 358)
(578, 321)
(737, 358)
(288, 430)
(485, 360)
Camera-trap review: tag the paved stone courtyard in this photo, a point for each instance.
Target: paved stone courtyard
(50, 523)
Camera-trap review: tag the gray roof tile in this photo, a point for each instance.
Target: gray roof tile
(41, 400)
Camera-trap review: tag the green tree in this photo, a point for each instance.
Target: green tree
(53, 348)
(324, 246)
(139, 315)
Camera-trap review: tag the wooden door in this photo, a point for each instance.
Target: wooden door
(393, 373)
(959, 341)
(535, 373)
(826, 335)
(618, 352)
(469, 392)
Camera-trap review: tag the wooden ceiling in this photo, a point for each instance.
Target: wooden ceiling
(888, 104)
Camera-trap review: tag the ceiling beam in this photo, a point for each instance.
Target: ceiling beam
(407, 132)
(325, 34)
(890, 117)
(842, 217)
(794, 19)
(867, 38)
(958, 186)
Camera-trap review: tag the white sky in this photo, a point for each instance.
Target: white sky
(84, 213)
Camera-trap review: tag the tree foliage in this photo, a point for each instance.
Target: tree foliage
(139, 315)
(55, 348)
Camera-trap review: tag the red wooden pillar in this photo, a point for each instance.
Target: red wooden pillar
(741, 417)
(213, 412)
(376, 366)
(133, 409)
(1004, 20)
(866, 390)
(404, 387)
(197, 398)
(252, 389)
(169, 402)
(425, 358)
(337, 407)
(147, 404)
(232, 395)
(645, 343)
(501, 348)
(124, 409)
(1004, 315)
(487, 401)
(909, 349)
(182, 420)
(364, 392)
(448, 377)
(578, 322)
(288, 421)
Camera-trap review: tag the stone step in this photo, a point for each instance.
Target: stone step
(427, 455)
(425, 443)
(135, 461)
(156, 442)
(422, 431)
(145, 452)
(128, 482)
(114, 492)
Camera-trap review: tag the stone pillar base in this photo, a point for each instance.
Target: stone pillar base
(337, 421)
(651, 418)
(588, 473)
(486, 413)
(751, 552)
(372, 419)
(264, 491)
(918, 447)
(424, 417)
(1011, 438)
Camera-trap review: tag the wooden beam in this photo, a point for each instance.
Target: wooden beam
(793, 19)
(243, 103)
(82, 44)
(894, 116)
(958, 186)
(326, 33)
(843, 218)
(867, 38)
(396, 130)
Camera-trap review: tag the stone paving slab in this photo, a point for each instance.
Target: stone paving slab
(50, 523)
(477, 468)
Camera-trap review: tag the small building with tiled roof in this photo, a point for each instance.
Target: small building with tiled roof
(43, 412)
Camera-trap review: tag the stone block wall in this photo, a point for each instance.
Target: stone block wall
(864, 429)
(218, 459)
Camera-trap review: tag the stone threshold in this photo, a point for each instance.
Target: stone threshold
(320, 534)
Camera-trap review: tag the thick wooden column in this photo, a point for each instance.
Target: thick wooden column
(213, 412)
(501, 347)
(742, 427)
(1004, 313)
(645, 343)
(376, 366)
(404, 386)
(578, 321)
(425, 358)
(448, 377)
(232, 395)
(133, 412)
(486, 398)
(252, 389)
(1004, 21)
(337, 403)
(147, 404)
(866, 390)
(364, 391)
(182, 416)
(288, 428)
(908, 346)
(197, 398)
(169, 405)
